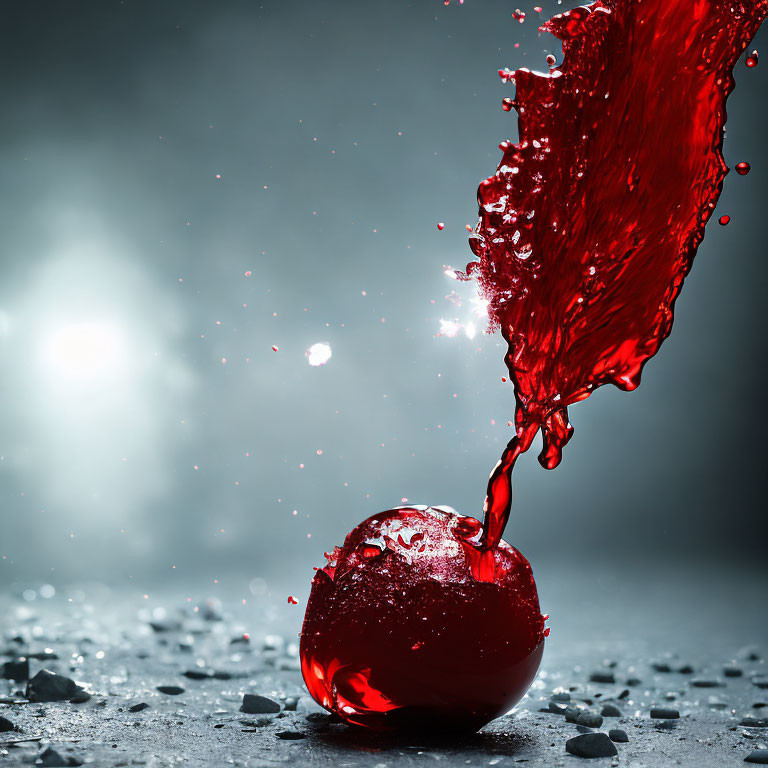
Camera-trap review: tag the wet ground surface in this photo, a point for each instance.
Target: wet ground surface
(686, 642)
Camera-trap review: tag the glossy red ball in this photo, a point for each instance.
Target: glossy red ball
(398, 634)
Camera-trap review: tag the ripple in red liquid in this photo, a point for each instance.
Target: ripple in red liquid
(399, 635)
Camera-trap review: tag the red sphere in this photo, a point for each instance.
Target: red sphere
(399, 633)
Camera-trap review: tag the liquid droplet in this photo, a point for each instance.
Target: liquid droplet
(507, 104)
(743, 168)
(292, 600)
(724, 220)
(441, 225)
(551, 61)
(751, 60)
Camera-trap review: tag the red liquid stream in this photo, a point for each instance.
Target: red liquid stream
(591, 222)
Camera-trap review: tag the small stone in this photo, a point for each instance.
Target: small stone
(197, 674)
(5, 725)
(170, 690)
(18, 670)
(602, 676)
(661, 666)
(167, 625)
(590, 720)
(556, 709)
(259, 705)
(50, 758)
(686, 669)
(291, 703)
(706, 683)
(664, 713)
(617, 735)
(591, 745)
(47, 686)
(562, 696)
(610, 710)
(758, 756)
(139, 707)
(632, 682)
(732, 670)
(290, 735)
(760, 682)
(572, 714)
(754, 722)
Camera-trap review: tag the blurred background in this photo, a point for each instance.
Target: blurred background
(227, 334)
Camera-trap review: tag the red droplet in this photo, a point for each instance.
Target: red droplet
(519, 15)
(507, 104)
(551, 60)
(292, 600)
(751, 60)
(441, 225)
(743, 168)
(275, 348)
(724, 220)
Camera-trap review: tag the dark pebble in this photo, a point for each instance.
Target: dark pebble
(170, 690)
(661, 666)
(240, 640)
(197, 674)
(758, 756)
(760, 682)
(617, 735)
(47, 686)
(624, 694)
(732, 671)
(610, 710)
(705, 683)
(556, 709)
(664, 713)
(290, 735)
(602, 677)
(760, 704)
(753, 722)
(634, 681)
(572, 714)
(560, 697)
(686, 669)
(169, 625)
(42, 656)
(291, 703)
(51, 758)
(591, 745)
(259, 705)
(590, 720)
(18, 670)
(5, 725)
(139, 707)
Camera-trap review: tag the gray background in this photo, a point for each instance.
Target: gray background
(343, 132)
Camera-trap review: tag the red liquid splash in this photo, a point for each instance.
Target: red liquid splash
(592, 220)
(399, 635)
